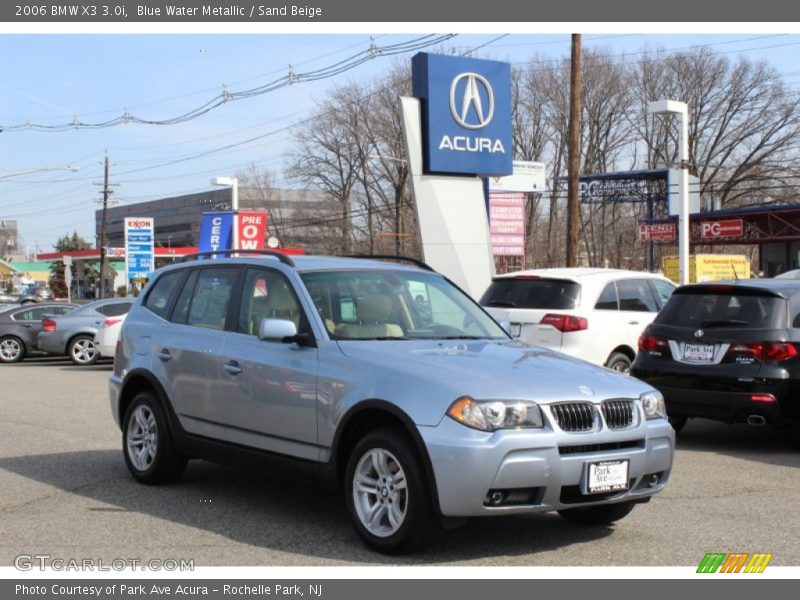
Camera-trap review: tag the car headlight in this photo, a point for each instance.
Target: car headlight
(653, 405)
(491, 415)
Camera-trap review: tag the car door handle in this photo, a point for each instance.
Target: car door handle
(233, 367)
(164, 355)
(633, 322)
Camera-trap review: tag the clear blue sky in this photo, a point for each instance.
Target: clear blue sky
(51, 78)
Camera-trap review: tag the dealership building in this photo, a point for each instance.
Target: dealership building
(177, 218)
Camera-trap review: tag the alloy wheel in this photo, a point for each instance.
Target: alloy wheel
(380, 492)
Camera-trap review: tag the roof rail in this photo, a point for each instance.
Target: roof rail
(396, 257)
(279, 255)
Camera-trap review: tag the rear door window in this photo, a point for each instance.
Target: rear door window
(211, 298)
(703, 308)
(636, 295)
(532, 293)
(608, 298)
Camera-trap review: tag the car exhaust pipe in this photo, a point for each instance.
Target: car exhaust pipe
(756, 420)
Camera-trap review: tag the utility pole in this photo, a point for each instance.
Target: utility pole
(574, 150)
(106, 192)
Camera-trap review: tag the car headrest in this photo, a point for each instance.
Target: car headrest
(374, 308)
(280, 298)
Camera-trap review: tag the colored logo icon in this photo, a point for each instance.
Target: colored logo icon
(736, 562)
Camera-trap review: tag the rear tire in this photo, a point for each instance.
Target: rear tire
(147, 443)
(82, 350)
(677, 423)
(387, 495)
(619, 361)
(11, 349)
(604, 514)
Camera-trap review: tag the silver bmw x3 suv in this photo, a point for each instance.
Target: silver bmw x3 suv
(386, 381)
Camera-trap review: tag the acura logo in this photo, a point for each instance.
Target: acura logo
(471, 98)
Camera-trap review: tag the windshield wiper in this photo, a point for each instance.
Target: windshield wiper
(462, 337)
(503, 303)
(724, 323)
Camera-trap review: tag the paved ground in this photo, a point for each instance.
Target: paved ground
(64, 491)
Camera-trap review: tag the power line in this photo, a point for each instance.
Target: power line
(226, 96)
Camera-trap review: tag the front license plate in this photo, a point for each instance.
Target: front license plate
(516, 329)
(699, 352)
(608, 476)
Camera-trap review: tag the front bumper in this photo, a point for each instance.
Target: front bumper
(550, 465)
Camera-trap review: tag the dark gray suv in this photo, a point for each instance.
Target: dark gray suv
(418, 411)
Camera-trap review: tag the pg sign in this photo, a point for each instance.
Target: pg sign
(466, 114)
(722, 229)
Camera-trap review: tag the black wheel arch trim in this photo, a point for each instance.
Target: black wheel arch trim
(408, 425)
(161, 395)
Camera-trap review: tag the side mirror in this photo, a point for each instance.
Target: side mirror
(283, 331)
(277, 330)
(506, 325)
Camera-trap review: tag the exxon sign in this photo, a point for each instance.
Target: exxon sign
(466, 114)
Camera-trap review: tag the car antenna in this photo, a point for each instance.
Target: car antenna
(735, 276)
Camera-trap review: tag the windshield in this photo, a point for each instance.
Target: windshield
(705, 308)
(396, 305)
(522, 292)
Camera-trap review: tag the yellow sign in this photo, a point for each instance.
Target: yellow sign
(709, 267)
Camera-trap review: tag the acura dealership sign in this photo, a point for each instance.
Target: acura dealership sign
(466, 114)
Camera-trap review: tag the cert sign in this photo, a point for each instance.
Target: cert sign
(139, 247)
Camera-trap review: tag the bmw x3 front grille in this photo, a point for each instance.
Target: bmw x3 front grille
(618, 413)
(573, 416)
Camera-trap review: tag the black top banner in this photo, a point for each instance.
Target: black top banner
(462, 11)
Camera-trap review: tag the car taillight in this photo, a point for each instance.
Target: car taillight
(763, 351)
(565, 323)
(48, 325)
(648, 343)
(110, 322)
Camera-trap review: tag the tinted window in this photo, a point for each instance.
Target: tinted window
(532, 293)
(663, 291)
(61, 310)
(608, 298)
(266, 295)
(705, 308)
(116, 309)
(636, 295)
(32, 314)
(212, 294)
(159, 298)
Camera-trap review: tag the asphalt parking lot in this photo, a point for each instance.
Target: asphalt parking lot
(65, 491)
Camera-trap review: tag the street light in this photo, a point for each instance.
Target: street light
(233, 183)
(72, 168)
(673, 107)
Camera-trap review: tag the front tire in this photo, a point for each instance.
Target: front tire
(387, 495)
(11, 349)
(82, 350)
(620, 362)
(605, 514)
(147, 443)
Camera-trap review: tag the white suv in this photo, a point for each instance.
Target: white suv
(593, 314)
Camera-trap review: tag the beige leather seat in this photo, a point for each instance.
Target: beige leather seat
(277, 304)
(373, 313)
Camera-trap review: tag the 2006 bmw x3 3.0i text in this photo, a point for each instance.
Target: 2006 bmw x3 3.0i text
(421, 412)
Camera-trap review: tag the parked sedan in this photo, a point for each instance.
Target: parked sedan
(727, 351)
(73, 334)
(20, 325)
(18, 298)
(107, 335)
